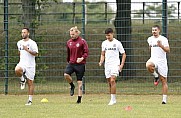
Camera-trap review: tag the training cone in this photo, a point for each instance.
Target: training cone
(128, 108)
(44, 100)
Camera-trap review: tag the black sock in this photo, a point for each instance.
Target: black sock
(79, 99)
(71, 84)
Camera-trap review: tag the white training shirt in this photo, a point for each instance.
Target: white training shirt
(112, 50)
(157, 53)
(26, 58)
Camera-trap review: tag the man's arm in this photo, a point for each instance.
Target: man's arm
(34, 53)
(122, 62)
(102, 58)
(166, 48)
(85, 52)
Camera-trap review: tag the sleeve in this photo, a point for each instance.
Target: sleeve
(165, 42)
(34, 47)
(85, 49)
(120, 48)
(149, 41)
(103, 46)
(68, 53)
(18, 46)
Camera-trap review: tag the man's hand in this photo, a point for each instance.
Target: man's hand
(26, 48)
(79, 59)
(100, 63)
(159, 43)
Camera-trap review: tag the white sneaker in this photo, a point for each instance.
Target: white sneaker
(28, 103)
(22, 84)
(112, 102)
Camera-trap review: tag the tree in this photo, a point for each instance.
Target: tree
(155, 10)
(123, 29)
(29, 13)
(28, 18)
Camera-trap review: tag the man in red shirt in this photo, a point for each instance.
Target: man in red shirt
(77, 52)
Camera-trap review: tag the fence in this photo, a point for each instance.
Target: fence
(53, 21)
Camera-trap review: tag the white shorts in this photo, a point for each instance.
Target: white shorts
(111, 70)
(161, 66)
(29, 71)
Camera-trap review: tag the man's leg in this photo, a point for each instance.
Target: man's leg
(164, 89)
(79, 91)
(70, 81)
(151, 68)
(19, 73)
(109, 84)
(30, 91)
(113, 90)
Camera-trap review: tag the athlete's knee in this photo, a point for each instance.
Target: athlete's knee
(149, 64)
(18, 71)
(163, 80)
(66, 75)
(112, 81)
(30, 82)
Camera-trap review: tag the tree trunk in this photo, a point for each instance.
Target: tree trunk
(29, 16)
(123, 30)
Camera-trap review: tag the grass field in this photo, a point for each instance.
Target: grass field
(92, 106)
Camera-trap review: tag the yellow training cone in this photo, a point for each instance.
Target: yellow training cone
(44, 100)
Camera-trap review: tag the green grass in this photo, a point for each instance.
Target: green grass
(92, 106)
(129, 87)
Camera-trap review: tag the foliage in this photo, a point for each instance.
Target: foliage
(155, 11)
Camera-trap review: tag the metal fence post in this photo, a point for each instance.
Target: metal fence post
(83, 36)
(6, 44)
(164, 18)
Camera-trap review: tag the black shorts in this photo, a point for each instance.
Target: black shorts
(79, 70)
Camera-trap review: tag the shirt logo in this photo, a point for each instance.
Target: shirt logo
(77, 45)
(154, 46)
(70, 43)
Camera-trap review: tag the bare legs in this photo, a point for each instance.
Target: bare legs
(151, 68)
(70, 81)
(112, 84)
(112, 88)
(19, 73)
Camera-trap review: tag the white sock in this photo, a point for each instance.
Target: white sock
(155, 74)
(30, 97)
(165, 98)
(22, 78)
(113, 97)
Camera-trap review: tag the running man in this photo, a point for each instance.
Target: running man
(157, 64)
(25, 69)
(77, 52)
(110, 54)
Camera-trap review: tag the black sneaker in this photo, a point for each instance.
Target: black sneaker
(78, 102)
(72, 90)
(24, 76)
(156, 81)
(163, 102)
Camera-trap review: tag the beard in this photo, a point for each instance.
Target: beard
(25, 36)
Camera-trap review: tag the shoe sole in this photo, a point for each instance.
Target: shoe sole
(72, 91)
(156, 83)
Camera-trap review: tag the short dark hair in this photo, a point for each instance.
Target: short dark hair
(157, 26)
(108, 30)
(26, 29)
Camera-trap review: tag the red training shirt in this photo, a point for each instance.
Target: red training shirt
(77, 48)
